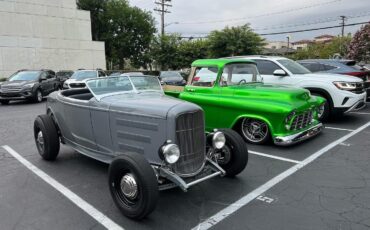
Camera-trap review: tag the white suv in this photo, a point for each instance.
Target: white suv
(343, 93)
(79, 78)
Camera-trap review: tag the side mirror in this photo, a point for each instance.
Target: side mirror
(42, 78)
(280, 72)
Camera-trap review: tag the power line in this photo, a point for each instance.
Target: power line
(163, 6)
(262, 15)
(313, 29)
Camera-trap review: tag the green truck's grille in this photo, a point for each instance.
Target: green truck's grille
(302, 120)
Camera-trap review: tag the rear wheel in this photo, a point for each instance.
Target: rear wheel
(4, 102)
(324, 111)
(233, 157)
(133, 185)
(46, 137)
(255, 131)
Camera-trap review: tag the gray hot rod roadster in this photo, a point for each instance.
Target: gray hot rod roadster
(152, 142)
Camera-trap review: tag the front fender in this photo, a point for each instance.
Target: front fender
(253, 116)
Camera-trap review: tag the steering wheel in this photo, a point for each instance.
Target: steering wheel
(241, 81)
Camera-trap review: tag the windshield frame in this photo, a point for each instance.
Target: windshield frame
(133, 91)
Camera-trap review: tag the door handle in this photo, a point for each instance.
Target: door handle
(191, 90)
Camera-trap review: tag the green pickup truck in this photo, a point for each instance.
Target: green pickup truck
(233, 95)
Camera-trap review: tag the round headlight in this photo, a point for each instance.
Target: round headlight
(171, 153)
(218, 140)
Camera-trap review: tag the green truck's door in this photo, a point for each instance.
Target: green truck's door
(204, 91)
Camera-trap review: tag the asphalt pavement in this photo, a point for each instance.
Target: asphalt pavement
(323, 183)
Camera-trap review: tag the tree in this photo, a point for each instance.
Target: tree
(192, 50)
(338, 45)
(97, 9)
(232, 41)
(127, 31)
(164, 51)
(359, 48)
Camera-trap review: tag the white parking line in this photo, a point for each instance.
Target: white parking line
(88, 208)
(274, 157)
(226, 212)
(335, 128)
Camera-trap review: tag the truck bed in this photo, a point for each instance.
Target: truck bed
(173, 91)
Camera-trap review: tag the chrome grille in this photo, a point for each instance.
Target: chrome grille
(190, 138)
(11, 88)
(302, 120)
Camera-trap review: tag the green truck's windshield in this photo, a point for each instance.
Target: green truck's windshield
(239, 74)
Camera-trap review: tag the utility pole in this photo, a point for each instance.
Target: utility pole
(343, 18)
(163, 6)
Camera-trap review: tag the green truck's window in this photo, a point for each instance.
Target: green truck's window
(205, 76)
(237, 74)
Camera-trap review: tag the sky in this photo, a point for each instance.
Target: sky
(199, 17)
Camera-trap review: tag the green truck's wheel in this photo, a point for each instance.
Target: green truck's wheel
(255, 131)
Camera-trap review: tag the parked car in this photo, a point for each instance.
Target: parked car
(172, 78)
(63, 75)
(339, 66)
(232, 94)
(29, 85)
(152, 142)
(79, 77)
(343, 94)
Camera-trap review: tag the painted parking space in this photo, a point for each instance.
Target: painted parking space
(176, 210)
(330, 193)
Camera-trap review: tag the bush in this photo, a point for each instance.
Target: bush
(2, 79)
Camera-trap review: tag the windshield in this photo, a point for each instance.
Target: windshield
(170, 74)
(239, 74)
(25, 76)
(103, 87)
(82, 75)
(294, 67)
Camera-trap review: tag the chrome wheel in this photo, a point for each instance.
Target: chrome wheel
(39, 96)
(40, 141)
(129, 186)
(321, 111)
(255, 131)
(224, 155)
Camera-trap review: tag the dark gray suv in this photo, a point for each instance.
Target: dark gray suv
(28, 85)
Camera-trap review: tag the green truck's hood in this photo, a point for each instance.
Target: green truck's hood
(271, 92)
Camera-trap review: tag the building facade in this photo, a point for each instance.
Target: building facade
(46, 34)
(276, 45)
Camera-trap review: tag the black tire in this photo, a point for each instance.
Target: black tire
(236, 162)
(242, 128)
(45, 125)
(146, 197)
(36, 97)
(327, 108)
(4, 102)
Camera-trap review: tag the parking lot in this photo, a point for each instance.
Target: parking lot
(323, 183)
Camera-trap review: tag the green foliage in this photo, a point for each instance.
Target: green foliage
(127, 31)
(2, 79)
(359, 48)
(233, 41)
(339, 45)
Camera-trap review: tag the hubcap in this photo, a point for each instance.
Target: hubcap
(40, 140)
(39, 96)
(321, 111)
(224, 155)
(254, 130)
(129, 186)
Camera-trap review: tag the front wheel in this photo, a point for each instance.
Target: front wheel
(38, 96)
(255, 131)
(46, 137)
(233, 157)
(133, 185)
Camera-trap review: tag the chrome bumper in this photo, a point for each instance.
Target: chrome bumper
(298, 137)
(177, 181)
(357, 106)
